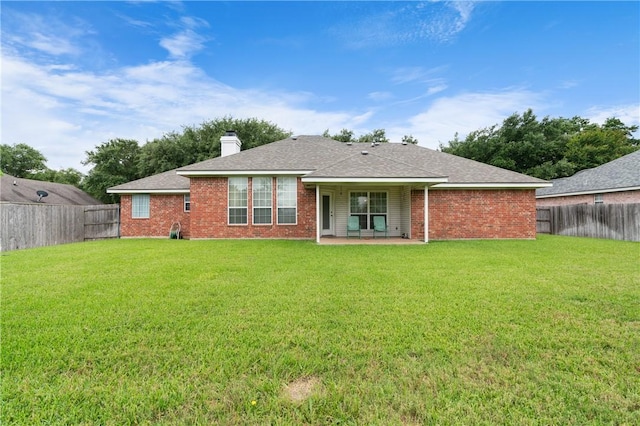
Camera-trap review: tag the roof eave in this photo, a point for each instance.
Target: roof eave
(590, 192)
(385, 180)
(493, 185)
(147, 191)
(205, 173)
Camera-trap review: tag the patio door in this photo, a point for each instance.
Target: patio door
(326, 214)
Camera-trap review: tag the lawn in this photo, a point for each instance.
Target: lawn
(289, 332)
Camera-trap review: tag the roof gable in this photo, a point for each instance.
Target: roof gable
(317, 159)
(167, 182)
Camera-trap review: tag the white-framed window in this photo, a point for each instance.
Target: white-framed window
(187, 203)
(366, 205)
(287, 200)
(238, 188)
(140, 206)
(598, 198)
(262, 200)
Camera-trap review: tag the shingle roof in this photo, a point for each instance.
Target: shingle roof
(167, 182)
(320, 157)
(615, 175)
(20, 190)
(329, 158)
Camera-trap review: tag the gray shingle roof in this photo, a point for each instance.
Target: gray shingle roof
(615, 175)
(320, 157)
(166, 181)
(328, 157)
(19, 190)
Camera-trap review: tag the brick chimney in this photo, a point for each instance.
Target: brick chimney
(229, 143)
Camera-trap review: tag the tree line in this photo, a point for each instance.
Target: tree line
(548, 148)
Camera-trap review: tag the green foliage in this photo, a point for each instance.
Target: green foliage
(200, 143)
(377, 136)
(120, 160)
(547, 148)
(598, 145)
(69, 176)
(409, 139)
(473, 333)
(21, 160)
(115, 162)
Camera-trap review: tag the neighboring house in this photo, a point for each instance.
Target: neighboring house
(20, 190)
(615, 182)
(306, 187)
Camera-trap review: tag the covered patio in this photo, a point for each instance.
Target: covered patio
(330, 240)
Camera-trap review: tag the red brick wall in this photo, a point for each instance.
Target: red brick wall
(209, 216)
(622, 197)
(164, 210)
(465, 214)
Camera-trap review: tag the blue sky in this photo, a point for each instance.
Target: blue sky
(76, 74)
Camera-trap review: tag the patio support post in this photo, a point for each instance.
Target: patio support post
(318, 230)
(426, 214)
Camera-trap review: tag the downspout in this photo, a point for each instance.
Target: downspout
(426, 214)
(318, 214)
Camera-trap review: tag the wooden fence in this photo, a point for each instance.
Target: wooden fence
(36, 225)
(611, 221)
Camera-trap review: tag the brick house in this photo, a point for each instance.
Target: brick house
(615, 182)
(307, 187)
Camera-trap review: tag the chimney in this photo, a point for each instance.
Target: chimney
(229, 143)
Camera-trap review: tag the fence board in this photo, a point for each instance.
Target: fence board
(611, 221)
(36, 225)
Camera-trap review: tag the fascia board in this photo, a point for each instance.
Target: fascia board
(370, 180)
(148, 191)
(590, 192)
(490, 185)
(202, 173)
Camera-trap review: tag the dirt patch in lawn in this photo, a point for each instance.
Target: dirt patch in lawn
(301, 389)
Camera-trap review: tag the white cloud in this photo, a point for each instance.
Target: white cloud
(628, 114)
(380, 96)
(64, 112)
(186, 42)
(414, 21)
(463, 113)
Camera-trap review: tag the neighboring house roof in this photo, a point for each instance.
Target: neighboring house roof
(318, 159)
(20, 190)
(622, 174)
(166, 182)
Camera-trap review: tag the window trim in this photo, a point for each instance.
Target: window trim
(254, 198)
(136, 206)
(280, 196)
(246, 200)
(186, 203)
(598, 198)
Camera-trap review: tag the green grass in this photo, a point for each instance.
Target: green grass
(191, 332)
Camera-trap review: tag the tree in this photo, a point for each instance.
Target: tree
(115, 162)
(21, 160)
(200, 143)
(547, 148)
(345, 135)
(377, 136)
(598, 145)
(69, 176)
(409, 139)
